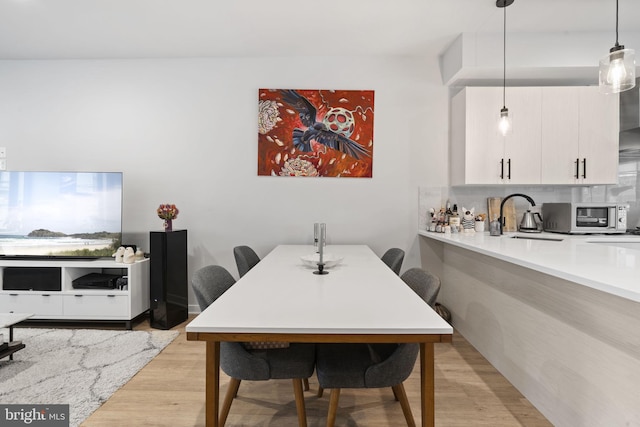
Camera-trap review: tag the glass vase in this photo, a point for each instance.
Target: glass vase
(168, 225)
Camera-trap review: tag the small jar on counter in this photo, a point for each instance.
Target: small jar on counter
(494, 227)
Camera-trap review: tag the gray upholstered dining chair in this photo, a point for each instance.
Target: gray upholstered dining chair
(256, 361)
(246, 259)
(341, 366)
(423, 283)
(393, 258)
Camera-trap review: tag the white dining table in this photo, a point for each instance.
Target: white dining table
(359, 300)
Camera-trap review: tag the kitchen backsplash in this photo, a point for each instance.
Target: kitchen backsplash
(627, 192)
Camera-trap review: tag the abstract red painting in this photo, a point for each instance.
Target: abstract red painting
(319, 133)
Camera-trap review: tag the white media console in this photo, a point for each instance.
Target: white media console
(68, 303)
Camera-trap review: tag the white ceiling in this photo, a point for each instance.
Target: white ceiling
(44, 29)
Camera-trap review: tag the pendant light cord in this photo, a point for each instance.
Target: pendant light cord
(504, 55)
(617, 24)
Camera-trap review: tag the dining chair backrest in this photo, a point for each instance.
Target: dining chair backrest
(209, 283)
(393, 258)
(246, 259)
(423, 283)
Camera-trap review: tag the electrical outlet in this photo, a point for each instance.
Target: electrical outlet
(3, 152)
(3, 164)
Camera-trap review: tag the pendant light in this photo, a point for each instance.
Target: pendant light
(504, 121)
(618, 68)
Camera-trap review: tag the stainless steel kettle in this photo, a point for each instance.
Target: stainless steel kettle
(529, 223)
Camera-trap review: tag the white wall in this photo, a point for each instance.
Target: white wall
(184, 131)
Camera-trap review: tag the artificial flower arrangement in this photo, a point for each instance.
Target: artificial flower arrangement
(168, 211)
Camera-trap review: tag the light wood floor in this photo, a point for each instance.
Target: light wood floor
(169, 392)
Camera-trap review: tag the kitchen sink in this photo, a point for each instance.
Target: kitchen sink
(550, 239)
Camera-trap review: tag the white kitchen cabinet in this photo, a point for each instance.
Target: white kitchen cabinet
(479, 153)
(599, 137)
(579, 136)
(68, 303)
(556, 133)
(522, 144)
(560, 135)
(476, 148)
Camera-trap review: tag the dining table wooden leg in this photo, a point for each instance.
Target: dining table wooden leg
(212, 399)
(427, 384)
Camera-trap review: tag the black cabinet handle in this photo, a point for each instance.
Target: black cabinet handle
(584, 167)
(13, 295)
(46, 295)
(501, 168)
(78, 296)
(111, 296)
(509, 169)
(577, 175)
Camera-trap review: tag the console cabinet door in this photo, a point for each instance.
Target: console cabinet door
(43, 305)
(86, 306)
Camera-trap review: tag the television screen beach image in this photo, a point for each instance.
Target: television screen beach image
(60, 214)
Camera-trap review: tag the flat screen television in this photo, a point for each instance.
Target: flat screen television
(60, 214)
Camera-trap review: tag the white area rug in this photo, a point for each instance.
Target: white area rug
(81, 367)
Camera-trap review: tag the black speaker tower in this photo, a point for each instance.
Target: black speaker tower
(169, 278)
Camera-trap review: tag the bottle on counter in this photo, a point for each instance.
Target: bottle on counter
(441, 221)
(448, 213)
(454, 219)
(494, 226)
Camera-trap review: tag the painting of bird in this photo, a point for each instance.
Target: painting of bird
(317, 130)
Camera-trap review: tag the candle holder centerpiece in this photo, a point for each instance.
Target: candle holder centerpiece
(320, 235)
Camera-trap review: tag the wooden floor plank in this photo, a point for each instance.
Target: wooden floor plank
(170, 392)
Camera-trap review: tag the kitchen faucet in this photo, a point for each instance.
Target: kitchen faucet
(529, 199)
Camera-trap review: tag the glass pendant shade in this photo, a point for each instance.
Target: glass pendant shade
(504, 122)
(618, 70)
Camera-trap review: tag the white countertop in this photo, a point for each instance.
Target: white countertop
(608, 263)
